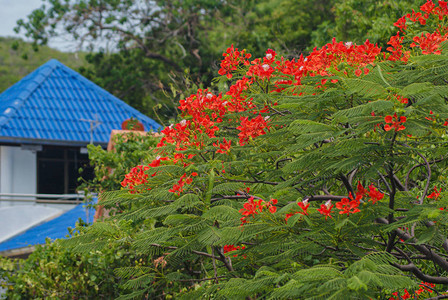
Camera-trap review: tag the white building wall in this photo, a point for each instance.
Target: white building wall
(18, 172)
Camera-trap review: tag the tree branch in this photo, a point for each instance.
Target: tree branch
(420, 275)
(436, 258)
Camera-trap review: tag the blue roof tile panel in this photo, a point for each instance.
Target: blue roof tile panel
(51, 103)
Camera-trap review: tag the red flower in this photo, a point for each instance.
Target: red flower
(425, 286)
(230, 248)
(137, 176)
(416, 17)
(401, 23)
(348, 207)
(429, 42)
(436, 194)
(428, 7)
(270, 205)
(325, 209)
(395, 122)
(184, 179)
(232, 59)
(270, 56)
(261, 69)
(289, 216)
(252, 207)
(224, 147)
(402, 99)
(304, 206)
(251, 128)
(406, 295)
(361, 190)
(374, 194)
(396, 49)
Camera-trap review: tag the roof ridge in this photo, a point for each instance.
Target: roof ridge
(111, 97)
(45, 70)
(49, 105)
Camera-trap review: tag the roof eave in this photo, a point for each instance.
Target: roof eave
(15, 140)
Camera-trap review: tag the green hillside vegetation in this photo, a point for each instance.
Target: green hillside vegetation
(18, 58)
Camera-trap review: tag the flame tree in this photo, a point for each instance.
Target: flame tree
(319, 176)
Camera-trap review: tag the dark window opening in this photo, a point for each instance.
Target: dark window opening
(58, 170)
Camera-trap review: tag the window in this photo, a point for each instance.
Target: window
(58, 169)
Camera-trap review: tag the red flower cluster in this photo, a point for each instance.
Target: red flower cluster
(236, 102)
(357, 58)
(335, 53)
(184, 179)
(402, 99)
(224, 147)
(252, 207)
(137, 176)
(202, 105)
(346, 205)
(303, 205)
(325, 209)
(430, 42)
(263, 68)
(405, 295)
(374, 194)
(396, 49)
(430, 9)
(424, 287)
(395, 122)
(436, 194)
(349, 206)
(232, 59)
(414, 17)
(205, 111)
(179, 134)
(251, 128)
(230, 248)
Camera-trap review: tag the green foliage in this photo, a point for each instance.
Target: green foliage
(53, 271)
(130, 149)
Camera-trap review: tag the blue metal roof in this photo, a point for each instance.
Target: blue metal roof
(48, 105)
(54, 229)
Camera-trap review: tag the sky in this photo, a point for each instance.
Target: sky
(13, 10)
